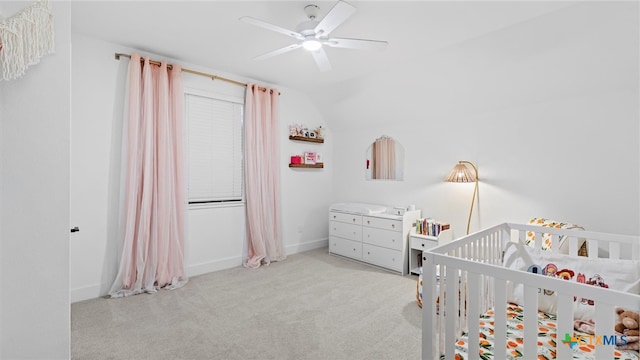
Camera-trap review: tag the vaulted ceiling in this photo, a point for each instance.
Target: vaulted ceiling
(210, 34)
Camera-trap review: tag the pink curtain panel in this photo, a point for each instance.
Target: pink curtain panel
(153, 222)
(262, 177)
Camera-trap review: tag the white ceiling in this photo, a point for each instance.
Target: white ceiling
(209, 34)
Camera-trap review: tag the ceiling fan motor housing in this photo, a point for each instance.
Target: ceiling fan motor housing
(307, 28)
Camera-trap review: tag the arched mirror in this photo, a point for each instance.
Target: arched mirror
(385, 160)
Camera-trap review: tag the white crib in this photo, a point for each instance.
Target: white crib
(466, 278)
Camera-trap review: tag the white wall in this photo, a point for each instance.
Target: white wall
(532, 105)
(547, 109)
(2, 101)
(215, 233)
(34, 212)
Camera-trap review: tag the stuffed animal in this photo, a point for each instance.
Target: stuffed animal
(629, 325)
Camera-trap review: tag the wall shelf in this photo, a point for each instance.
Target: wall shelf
(302, 138)
(308, 166)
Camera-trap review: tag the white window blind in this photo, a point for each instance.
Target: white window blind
(215, 148)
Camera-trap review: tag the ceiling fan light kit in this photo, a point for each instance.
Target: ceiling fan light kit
(311, 44)
(312, 35)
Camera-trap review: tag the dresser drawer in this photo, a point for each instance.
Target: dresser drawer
(344, 230)
(344, 247)
(422, 243)
(387, 258)
(382, 223)
(385, 238)
(345, 218)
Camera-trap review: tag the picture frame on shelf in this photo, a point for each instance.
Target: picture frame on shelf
(310, 158)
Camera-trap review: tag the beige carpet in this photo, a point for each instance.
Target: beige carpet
(311, 306)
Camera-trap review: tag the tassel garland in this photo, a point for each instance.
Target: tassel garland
(25, 38)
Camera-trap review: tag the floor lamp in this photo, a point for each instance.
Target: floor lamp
(461, 174)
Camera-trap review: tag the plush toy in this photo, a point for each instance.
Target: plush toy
(629, 325)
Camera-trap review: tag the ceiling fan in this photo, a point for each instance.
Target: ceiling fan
(312, 35)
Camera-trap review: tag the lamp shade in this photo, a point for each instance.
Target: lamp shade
(461, 173)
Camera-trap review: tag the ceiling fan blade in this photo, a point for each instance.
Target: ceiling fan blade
(340, 12)
(360, 44)
(320, 56)
(276, 28)
(278, 51)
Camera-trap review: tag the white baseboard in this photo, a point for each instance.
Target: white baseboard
(215, 265)
(222, 264)
(93, 291)
(85, 293)
(311, 245)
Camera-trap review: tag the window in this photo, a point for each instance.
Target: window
(214, 131)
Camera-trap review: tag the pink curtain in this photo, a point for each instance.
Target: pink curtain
(262, 178)
(384, 159)
(154, 201)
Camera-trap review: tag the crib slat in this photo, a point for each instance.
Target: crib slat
(450, 300)
(555, 243)
(497, 248)
(564, 325)
(536, 244)
(500, 320)
(592, 246)
(573, 246)
(530, 322)
(514, 235)
(614, 250)
(441, 319)
(604, 327)
(462, 301)
(473, 312)
(430, 333)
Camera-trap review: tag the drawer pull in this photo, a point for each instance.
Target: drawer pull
(368, 222)
(334, 216)
(422, 245)
(354, 219)
(393, 226)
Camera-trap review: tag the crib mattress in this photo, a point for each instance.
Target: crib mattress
(547, 339)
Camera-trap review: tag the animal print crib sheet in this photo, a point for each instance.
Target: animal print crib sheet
(547, 339)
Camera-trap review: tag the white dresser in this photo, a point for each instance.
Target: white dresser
(371, 234)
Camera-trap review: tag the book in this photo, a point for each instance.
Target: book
(430, 227)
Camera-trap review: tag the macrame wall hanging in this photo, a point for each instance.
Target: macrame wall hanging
(25, 38)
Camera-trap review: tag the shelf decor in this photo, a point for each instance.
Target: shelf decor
(306, 159)
(303, 133)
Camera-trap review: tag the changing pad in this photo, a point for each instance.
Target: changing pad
(358, 208)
